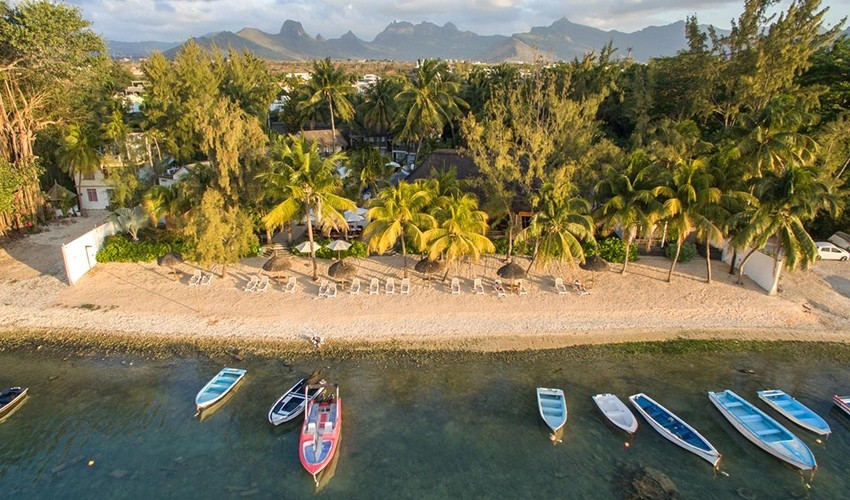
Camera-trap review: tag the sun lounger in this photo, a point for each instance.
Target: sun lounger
(560, 287)
(263, 284)
(195, 280)
(252, 284)
(206, 278)
(455, 285)
(374, 286)
(291, 285)
(390, 288)
(405, 286)
(478, 287)
(521, 288)
(578, 286)
(331, 291)
(323, 288)
(355, 287)
(500, 290)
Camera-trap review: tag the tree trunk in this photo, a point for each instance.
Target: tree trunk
(533, 255)
(333, 124)
(289, 234)
(403, 253)
(629, 241)
(79, 192)
(312, 250)
(675, 259)
(510, 235)
(778, 264)
(268, 236)
(708, 259)
(743, 264)
(734, 258)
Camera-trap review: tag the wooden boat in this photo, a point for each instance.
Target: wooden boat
(321, 432)
(218, 387)
(763, 431)
(795, 411)
(842, 402)
(10, 399)
(616, 412)
(674, 428)
(293, 402)
(553, 407)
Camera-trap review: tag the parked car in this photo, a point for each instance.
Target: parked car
(840, 239)
(828, 251)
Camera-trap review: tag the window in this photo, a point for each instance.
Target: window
(92, 194)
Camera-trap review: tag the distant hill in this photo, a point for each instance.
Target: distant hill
(562, 40)
(135, 50)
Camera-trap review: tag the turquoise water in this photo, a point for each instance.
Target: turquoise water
(427, 426)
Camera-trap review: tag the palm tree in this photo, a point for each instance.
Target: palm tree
(331, 85)
(165, 201)
(77, 157)
(397, 213)
(369, 170)
(460, 231)
(307, 186)
(429, 101)
(379, 107)
(628, 201)
(559, 224)
(689, 195)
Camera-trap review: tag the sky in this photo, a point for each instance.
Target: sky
(176, 20)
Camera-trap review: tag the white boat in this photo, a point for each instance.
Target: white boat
(616, 412)
(842, 402)
(763, 431)
(553, 407)
(218, 387)
(674, 428)
(293, 402)
(795, 411)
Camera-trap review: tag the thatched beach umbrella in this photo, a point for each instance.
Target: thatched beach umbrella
(171, 259)
(339, 246)
(595, 263)
(511, 271)
(342, 271)
(426, 266)
(277, 264)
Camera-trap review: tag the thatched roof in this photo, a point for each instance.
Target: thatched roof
(443, 160)
(324, 138)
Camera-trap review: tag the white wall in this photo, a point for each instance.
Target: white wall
(759, 268)
(79, 255)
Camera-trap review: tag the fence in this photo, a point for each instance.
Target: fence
(760, 268)
(80, 255)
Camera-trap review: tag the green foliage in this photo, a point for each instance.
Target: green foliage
(219, 233)
(519, 248)
(10, 182)
(611, 249)
(119, 248)
(689, 250)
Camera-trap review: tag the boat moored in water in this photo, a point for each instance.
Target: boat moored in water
(293, 402)
(10, 399)
(218, 387)
(762, 430)
(321, 432)
(795, 411)
(842, 402)
(553, 407)
(616, 412)
(674, 428)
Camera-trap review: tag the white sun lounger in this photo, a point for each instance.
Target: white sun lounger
(455, 286)
(263, 284)
(578, 286)
(478, 286)
(331, 291)
(405, 286)
(355, 287)
(323, 288)
(390, 288)
(560, 287)
(206, 278)
(500, 290)
(374, 286)
(291, 285)
(195, 280)
(252, 284)
(521, 288)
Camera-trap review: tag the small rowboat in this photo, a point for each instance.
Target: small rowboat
(842, 402)
(293, 402)
(763, 431)
(795, 411)
(616, 412)
(553, 407)
(674, 428)
(218, 387)
(321, 432)
(10, 399)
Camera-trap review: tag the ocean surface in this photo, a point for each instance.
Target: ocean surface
(415, 425)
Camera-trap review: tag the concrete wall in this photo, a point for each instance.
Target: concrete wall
(79, 255)
(759, 268)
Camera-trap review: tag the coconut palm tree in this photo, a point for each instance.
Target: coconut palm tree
(305, 185)
(559, 225)
(460, 231)
(397, 213)
(369, 170)
(379, 106)
(167, 202)
(77, 157)
(330, 85)
(627, 200)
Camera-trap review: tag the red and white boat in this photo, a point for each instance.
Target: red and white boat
(320, 434)
(842, 402)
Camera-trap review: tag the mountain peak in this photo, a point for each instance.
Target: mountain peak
(292, 28)
(349, 35)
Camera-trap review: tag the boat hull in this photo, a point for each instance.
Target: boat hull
(788, 447)
(616, 412)
(16, 397)
(320, 433)
(711, 455)
(292, 403)
(842, 402)
(795, 411)
(218, 387)
(552, 405)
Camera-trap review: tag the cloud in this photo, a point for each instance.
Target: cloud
(175, 20)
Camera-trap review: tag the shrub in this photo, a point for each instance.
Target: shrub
(611, 249)
(689, 250)
(520, 248)
(119, 248)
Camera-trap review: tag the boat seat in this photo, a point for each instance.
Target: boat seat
(768, 432)
(329, 427)
(733, 404)
(311, 427)
(750, 418)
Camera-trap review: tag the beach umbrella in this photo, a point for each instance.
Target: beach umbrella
(339, 246)
(170, 260)
(341, 270)
(511, 271)
(307, 248)
(595, 263)
(426, 266)
(352, 216)
(277, 264)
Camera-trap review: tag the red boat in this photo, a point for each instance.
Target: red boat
(842, 402)
(320, 434)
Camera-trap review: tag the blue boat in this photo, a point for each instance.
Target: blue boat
(553, 407)
(674, 428)
(763, 431)
(795, 411)
(218, 387)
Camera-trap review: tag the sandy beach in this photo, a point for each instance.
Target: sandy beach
(144, 301)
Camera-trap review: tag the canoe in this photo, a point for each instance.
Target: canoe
(553, 407)
(763, 431)
(616, 412)
(321, 432)
(218, 387)
(293, 402)
(674, 428)
(10, 399)
(795, 411)
(842, 402)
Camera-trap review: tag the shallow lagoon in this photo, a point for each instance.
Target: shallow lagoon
(416, 425)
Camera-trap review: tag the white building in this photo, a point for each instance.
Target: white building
(175, 174)
(95, 190)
